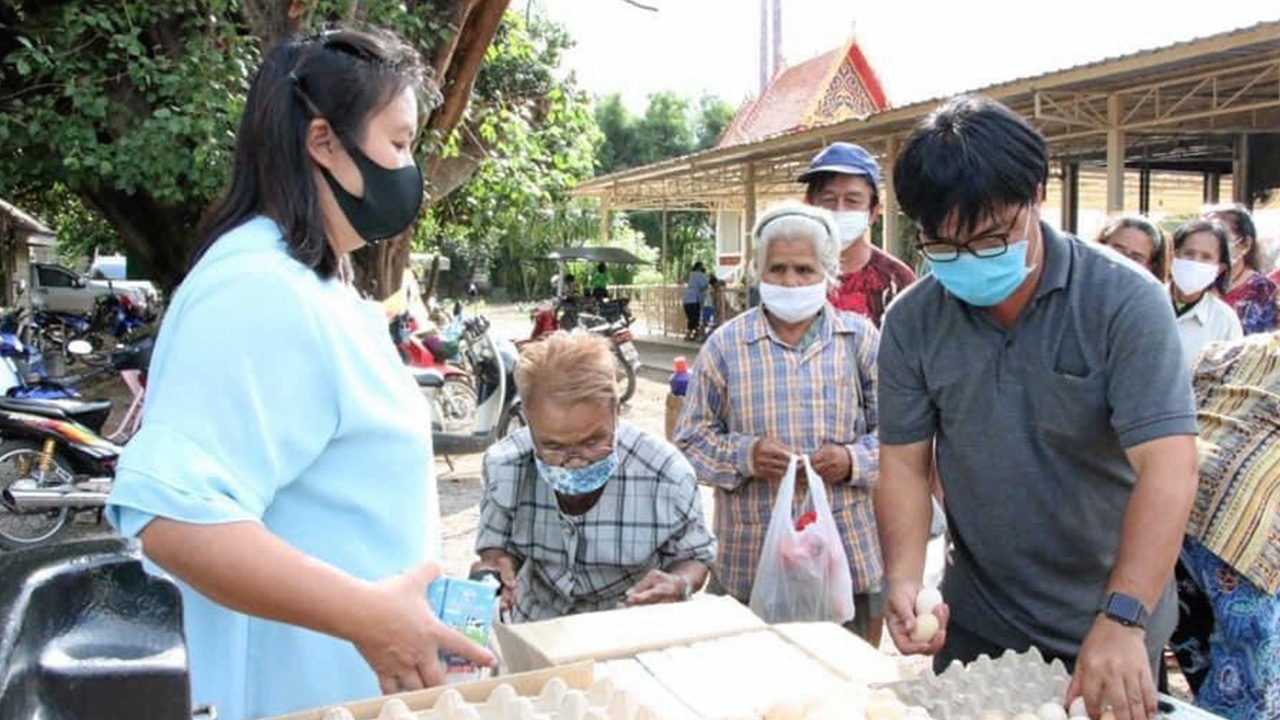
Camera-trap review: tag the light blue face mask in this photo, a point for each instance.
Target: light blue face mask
(579, 480)
(985, 282)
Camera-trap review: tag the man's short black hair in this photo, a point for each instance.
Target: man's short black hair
(972, 156)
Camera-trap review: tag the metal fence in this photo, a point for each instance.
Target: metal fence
(659, 309)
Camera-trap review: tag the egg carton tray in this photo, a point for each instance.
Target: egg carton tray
(557, 701)
(1022, 686)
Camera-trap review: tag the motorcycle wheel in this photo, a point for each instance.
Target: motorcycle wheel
(454, 406)
(512, 420)
(103, 345)
(21, 459)
(626, 375)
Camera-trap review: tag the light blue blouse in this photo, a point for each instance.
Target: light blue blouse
(276, 397)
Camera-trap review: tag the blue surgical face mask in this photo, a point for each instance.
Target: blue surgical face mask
(986, 282)
(579, 480)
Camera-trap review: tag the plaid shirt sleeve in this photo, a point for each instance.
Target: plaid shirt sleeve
(500, 474)
(690, 539)
(864, 453)
(721, 458)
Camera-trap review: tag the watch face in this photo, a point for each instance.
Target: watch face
(1125, 609)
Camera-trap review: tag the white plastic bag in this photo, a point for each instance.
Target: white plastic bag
(803, 575)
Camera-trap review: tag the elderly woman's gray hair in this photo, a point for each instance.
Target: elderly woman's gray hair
(798, 221)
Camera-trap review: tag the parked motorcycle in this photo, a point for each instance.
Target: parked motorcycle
(612, 322)
(115, 319)
(497, 409)
(54, 462)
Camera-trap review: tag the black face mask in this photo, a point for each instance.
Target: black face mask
(392, 198)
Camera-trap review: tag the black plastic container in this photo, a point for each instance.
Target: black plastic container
(87, 634)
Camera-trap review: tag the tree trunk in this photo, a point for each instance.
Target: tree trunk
(160, 236)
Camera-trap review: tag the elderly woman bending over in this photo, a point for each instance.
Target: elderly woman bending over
(583, 511)
(794, 376)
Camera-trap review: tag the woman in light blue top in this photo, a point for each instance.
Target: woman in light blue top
(283, 472)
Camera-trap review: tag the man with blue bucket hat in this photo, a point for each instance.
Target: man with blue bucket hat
(845, 179)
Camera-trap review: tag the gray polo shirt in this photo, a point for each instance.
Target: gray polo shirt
(1031, 424)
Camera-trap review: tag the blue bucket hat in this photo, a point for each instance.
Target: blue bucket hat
(846, 159)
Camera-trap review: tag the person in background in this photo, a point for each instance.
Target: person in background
(600, 282)
(1140, 240)
(1228, 636)
(695, 287)
(1201, 265)
(845, 179)
(583, 511)
(297, 506)
(1044, 374)
(791, 376)
(711, 301)
(1249, 292)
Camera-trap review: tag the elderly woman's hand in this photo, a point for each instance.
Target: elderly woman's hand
(658, 587)
(832, 463)
(769, 459)
(400, 637)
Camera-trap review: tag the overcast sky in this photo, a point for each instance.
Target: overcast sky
(920, 49)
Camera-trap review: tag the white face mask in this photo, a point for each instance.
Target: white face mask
(853, 225)
(793, 304)
(1192, 277)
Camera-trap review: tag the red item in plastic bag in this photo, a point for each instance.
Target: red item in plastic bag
(806, 519)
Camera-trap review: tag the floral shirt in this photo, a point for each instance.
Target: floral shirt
(869, 291)
(1255, 303)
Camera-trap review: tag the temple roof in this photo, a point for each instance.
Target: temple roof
(835, 86)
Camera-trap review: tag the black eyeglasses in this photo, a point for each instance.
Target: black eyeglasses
(985, 246)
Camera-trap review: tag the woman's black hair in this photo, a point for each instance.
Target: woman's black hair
(344, 76)
(1219, 231)
(601, 267)
(1240, 222)
(699, 267)
(972, 157)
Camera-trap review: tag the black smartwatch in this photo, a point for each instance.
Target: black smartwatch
(1125, 609)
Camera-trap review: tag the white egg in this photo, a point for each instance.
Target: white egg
(926, 628)
(785, 711)
(1051, 711)
(1077, 708)
(927, 599)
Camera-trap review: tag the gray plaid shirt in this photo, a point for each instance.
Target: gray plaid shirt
(649, 516)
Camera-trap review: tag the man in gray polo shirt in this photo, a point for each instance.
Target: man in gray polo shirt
(1048, 372)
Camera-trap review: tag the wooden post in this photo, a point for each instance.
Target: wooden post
(748, 216)
(1115, 156)
(665, 269)
(889, 203)
(1144, 190)
(1240, 170)
(1212, 187)
(1071, 197)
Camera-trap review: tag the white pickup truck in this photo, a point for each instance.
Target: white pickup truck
(59, 289)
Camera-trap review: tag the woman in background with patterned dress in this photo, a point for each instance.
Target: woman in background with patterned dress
(1250, 293)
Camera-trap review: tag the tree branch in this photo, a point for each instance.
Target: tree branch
(476, 35)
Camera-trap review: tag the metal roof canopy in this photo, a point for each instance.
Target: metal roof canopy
(1211, 89)
(615, 256)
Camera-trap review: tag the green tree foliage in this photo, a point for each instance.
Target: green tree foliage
(132, 105)
(670, 127)
(541, 139)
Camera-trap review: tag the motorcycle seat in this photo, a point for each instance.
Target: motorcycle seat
(429, 378)
(91, 413)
